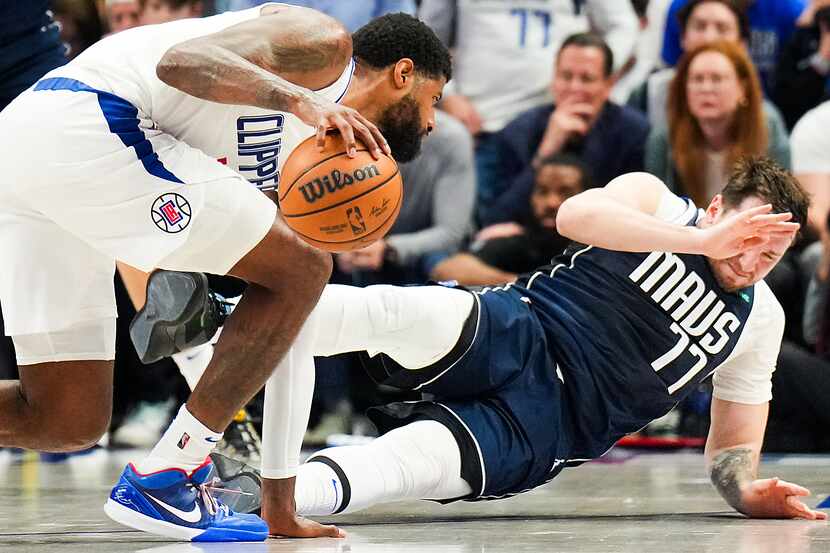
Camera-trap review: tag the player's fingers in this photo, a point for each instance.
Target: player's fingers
(765, 484)
(322, 126)
(366, 137)
(347, 133)
(793, 489)
(769, 218)
(377, 136)
(799, 509)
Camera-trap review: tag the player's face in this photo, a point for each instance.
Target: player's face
(122, 16)
(580, 78)
(554, 184)
(405, 123)
(752, 265)
(708, 22)
(157, 11)
(713, 89)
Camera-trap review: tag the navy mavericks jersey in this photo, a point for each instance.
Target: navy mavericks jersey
(634, 333)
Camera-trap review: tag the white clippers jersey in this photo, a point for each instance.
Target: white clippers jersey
(253, 141)
(505, 49)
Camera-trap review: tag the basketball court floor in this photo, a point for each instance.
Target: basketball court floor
(629, 503)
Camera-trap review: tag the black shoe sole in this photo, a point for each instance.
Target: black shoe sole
(159, 329)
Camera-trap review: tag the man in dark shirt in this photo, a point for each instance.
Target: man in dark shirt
(608, 138)
(504, 250)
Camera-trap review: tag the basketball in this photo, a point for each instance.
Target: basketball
(337, 203)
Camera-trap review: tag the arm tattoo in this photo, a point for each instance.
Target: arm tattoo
(730, 470)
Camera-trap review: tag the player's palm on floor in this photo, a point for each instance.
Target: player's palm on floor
(774, 498)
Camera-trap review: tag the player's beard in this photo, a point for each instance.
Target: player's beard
(400, 124)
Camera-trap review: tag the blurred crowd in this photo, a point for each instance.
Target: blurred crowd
(549, 98)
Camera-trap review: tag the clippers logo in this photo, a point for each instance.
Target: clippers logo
(171, 213)
(356, 220)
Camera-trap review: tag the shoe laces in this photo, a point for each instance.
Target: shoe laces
(213, 505)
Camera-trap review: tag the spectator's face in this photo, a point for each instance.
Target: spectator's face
(752, 265)
(122, 16)
(554, 184)
(713, 89)
(158, 11)
(580, 78)
(709, 22)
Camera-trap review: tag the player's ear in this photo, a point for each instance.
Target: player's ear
(715, 206)
(404, 73)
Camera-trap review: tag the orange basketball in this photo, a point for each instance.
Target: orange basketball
(335, 202)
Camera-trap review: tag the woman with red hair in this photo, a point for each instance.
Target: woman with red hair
(716, 115)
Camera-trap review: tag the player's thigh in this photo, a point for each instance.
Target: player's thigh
(52, 281)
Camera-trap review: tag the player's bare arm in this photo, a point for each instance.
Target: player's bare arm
(732, 452)
(273, 62)
(621, 217)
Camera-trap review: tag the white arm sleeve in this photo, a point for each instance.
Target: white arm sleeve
(288, 395)
(746, 377)
(616, 21)
(674, 209)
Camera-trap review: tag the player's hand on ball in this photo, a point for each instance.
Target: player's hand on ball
(322, 114)
(744, 230)
(774, 498)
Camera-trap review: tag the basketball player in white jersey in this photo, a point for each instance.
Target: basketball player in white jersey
(142, 150)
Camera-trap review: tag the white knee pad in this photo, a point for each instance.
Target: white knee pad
(85, 341)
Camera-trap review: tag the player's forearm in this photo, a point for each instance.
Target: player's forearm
(731, 471)
(593, 218)
(214, 73)
(470, 271)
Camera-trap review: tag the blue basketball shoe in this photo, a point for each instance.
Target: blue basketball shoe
(171, 503)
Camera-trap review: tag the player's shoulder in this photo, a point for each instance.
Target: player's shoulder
(766, 301)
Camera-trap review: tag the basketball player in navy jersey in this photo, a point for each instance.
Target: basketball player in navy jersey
(527, 379)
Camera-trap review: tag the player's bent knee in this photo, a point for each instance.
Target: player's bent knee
(67, 430)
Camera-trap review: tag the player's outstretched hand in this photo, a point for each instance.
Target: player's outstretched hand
(298, 527)
(744, 230)
(774, 498)
(322, 114)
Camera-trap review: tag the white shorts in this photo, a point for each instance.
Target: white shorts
(84, 182)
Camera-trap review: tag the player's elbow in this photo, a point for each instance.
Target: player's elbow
(569, 216)
(169, 65)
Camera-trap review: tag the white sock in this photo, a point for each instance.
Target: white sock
(193, 362)
(418, 461)
(185, 445)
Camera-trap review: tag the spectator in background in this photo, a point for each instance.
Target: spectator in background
(31, 47)
(502, 251)
(436, 216)
(122, 15)
(610, 139)
(716, 116)
(162, 11)
(502, 51)
(352, 13)
(646, 55)
(804, 67)
(80, 24)
(701, 22)
(771, 23)
(811, 164)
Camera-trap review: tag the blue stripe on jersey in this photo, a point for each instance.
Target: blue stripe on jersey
(122, 119)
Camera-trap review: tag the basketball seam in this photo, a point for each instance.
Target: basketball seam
(316, 211)
(304, 173)
(400, 198)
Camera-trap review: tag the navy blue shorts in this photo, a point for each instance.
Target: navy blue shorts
(498, 392)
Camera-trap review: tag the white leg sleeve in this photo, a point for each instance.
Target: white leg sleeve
(193, 362)
(416, 326)
(418, 461)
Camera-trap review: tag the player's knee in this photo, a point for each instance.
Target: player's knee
(386, 308)
(73, 432)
